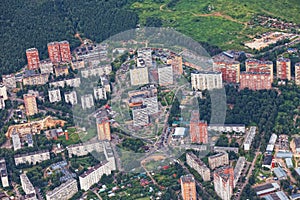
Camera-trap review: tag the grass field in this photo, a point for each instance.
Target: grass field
(225, 25)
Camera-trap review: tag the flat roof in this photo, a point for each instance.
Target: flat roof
(179, 131)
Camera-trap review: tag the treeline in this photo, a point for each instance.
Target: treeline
(26, 24)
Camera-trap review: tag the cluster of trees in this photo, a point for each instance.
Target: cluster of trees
(34, 24)
(133, 144)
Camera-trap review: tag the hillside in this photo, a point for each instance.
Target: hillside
(34, 23)
(219, 22)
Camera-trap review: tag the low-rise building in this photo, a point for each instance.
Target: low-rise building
(54, 95)
(198, 165)
(96, 71)
(71, 97)
(227, 128)
(16, 141)
(74, 82)
(35, 79)
(61, 70)
(280, 173)
(64, 192)
(3, 173)
(32, 157)
(280, 195)
(218, 160)
(46, 67)
(268, 161)
(267, 188)
(83, 149)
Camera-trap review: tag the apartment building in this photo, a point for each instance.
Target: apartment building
(165, 75)
(96, 71)
(254, 65)
(71, 97)
(32, 157)
(139, 76)
(144, 57)
(78, 64)
(46, 67)
(33, 59)
(26, 184)
(175, 61)
(100, 93)
(83, 149)
(203, 80)
(238, 169)
(30, 104)
(3, 92)
(61, 70)
(218, 160)
(297, 73)
(35, 79)
(93, 175)
(54, 95)
(16, 141)
(283, 68)
(223, 182)
(54, 52)
(65, 52)
(140, 116)
(87, 101)
(188, 187)
(249, 138)
(227, 128)
(198, 129)
(230, 70)
(63, 192)
(9, 81)
(103, 128)
(255, 81)
(3, 173)
(194, 162)
(73, 82)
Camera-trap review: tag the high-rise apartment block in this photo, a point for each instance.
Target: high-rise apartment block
(230, 70)
(71, 97)
(100, 93)
(198, 129)
(140, 116)
(283, 68)
(33, 59)
(297, 73)
(64, 192)
(54, 95)
(254, 65)
(204, 80)
(255, 81)
(223, 182)
(30, 104)
(103, 128)
(87, 101)
(3, 92)
(165, 75)
(218, 160)
(198, 165)
(26, 185)
(59, 52)
(188, 187)
(139, 76)
(3, 173)
(176, 62)
(32, 157)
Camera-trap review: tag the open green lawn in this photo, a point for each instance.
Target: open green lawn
(225, 25)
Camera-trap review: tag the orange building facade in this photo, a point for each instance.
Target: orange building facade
(33, 60)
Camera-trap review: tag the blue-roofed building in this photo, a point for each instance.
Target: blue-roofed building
(283, 154)
(280, 173)
(295, 196)
(289, 163)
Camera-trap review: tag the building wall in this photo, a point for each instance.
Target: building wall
(198, 165)
(188, 189)
(224, 184)
(230, 70)
(3, 92)
(54, 95)
(165, 75)
(54, 52)
(297, 73)
(253, 65)
(206, 80)
(71, 97)
(255, 81)
(84, 149)
(87, 101)
(26, 184)
(64, 192)
(37, 79)
(65, 52)
(9, 80)
(218, 160)
(283, 66)
(33, 158)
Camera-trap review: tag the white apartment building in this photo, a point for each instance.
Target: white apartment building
(218, 160)
(16, 141)
(26, 184)
(223, 184)
(54, 95)
(74, 82)
(64, 192)
(165, 75)
(9, 81)
(140, 116)
(139, 76)
(3, 92)
(71, 97)
(87, 101)
(96, 71)
(83, 149)
(3, 173)
(203, 80)
(32, 157)
(249, 138)
(238, 169)
(198, 165)
(100, 93)
(46, 67)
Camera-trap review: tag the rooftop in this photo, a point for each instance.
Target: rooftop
(187, 178)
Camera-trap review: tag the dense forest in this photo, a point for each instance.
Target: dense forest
(34, 23)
